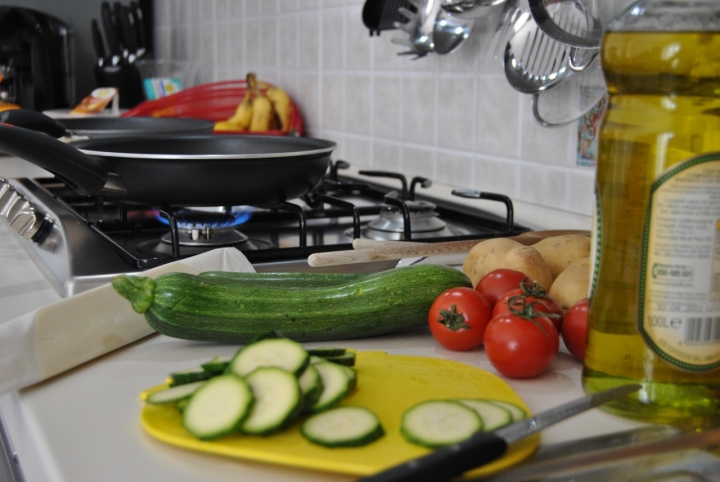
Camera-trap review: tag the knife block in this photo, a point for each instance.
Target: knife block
(126, 78)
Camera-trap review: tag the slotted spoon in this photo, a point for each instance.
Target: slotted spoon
(534, 62)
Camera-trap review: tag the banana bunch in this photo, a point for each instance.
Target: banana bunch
(259, 112)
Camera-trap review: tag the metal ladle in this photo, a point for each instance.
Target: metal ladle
(450, 32)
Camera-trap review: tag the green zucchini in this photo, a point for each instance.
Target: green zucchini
(437, 423)
(326, 351)
(218, 408)
(191, 307)
(174, 394)
(347, 359)
(189, 376)
(284, 280)
(343, 427)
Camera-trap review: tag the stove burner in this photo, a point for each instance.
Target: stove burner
(390, 226)
(220, 217)
(207, 227)
(207, 236)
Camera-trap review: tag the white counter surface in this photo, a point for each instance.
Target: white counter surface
(84, 425)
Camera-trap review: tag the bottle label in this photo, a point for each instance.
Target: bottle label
(680, 288)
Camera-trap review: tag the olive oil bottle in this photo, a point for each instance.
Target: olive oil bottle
(655, 298)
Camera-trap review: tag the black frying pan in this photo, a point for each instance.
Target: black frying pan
(105, 126)
(173, 171)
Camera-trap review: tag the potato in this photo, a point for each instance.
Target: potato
(559, 252)
(483, 257)
(529, 261)
(573, 284)
(506, 253)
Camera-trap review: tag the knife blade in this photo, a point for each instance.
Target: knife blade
(484, 447)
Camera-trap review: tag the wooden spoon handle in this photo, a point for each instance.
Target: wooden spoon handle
(371, 250)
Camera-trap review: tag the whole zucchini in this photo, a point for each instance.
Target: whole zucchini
(192, 307)
(284, 280)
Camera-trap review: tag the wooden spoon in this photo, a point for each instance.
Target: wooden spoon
(367, 250)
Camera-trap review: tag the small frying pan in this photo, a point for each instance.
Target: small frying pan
(176, 171)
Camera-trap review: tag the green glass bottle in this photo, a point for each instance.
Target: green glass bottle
(655, 299)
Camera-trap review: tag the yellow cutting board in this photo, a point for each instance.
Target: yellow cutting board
(386, 384)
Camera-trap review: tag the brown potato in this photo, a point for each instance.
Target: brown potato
(483, 257)
(529, 261)
(505, 253)
(573, 284)
(559, 252)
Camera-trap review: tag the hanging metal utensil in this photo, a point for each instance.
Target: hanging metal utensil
(470, 9)
(450, 32)
(534, 62)
(570, 100)
(419, 28)
(571, 22)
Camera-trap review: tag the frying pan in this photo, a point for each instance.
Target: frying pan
(175, 171)
(105, 126)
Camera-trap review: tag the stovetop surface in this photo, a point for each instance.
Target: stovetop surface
(92, 239)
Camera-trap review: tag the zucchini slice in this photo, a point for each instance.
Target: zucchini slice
(492, 415)
(173, 394)
(516, 412)
(278, 400)
(347, 359)
(337, 384)
(216, 366)
(218, 408)
(326, 351)
(270, 352)
(311, 387)
(352, 375)
(436, 423)
(189, 376)
(343, 427)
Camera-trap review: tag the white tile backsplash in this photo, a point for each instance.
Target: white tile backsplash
(452, 118)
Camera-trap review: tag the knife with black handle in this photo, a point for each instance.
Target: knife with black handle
(97, 41)
(122, 16)
(117, 16)
(484, 447)
(139, 26)
(110, 30)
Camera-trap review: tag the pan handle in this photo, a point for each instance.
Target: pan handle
(36, 121)
(84, 173)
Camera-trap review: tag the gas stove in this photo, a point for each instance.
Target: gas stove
(81, 242)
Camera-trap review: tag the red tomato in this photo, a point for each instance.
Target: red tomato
(519, 347)
(496, 283)
(574, 329)
(522, 300)
(458, 318)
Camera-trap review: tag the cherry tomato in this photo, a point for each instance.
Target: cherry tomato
(458, 318)
(520, 347)
(496, 283)
(536, 299)
(574, 329)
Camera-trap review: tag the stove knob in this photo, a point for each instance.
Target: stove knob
(8, 197)
(20, 204)
(28, 223)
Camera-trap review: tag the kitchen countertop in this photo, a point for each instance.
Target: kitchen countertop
(86, 422)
